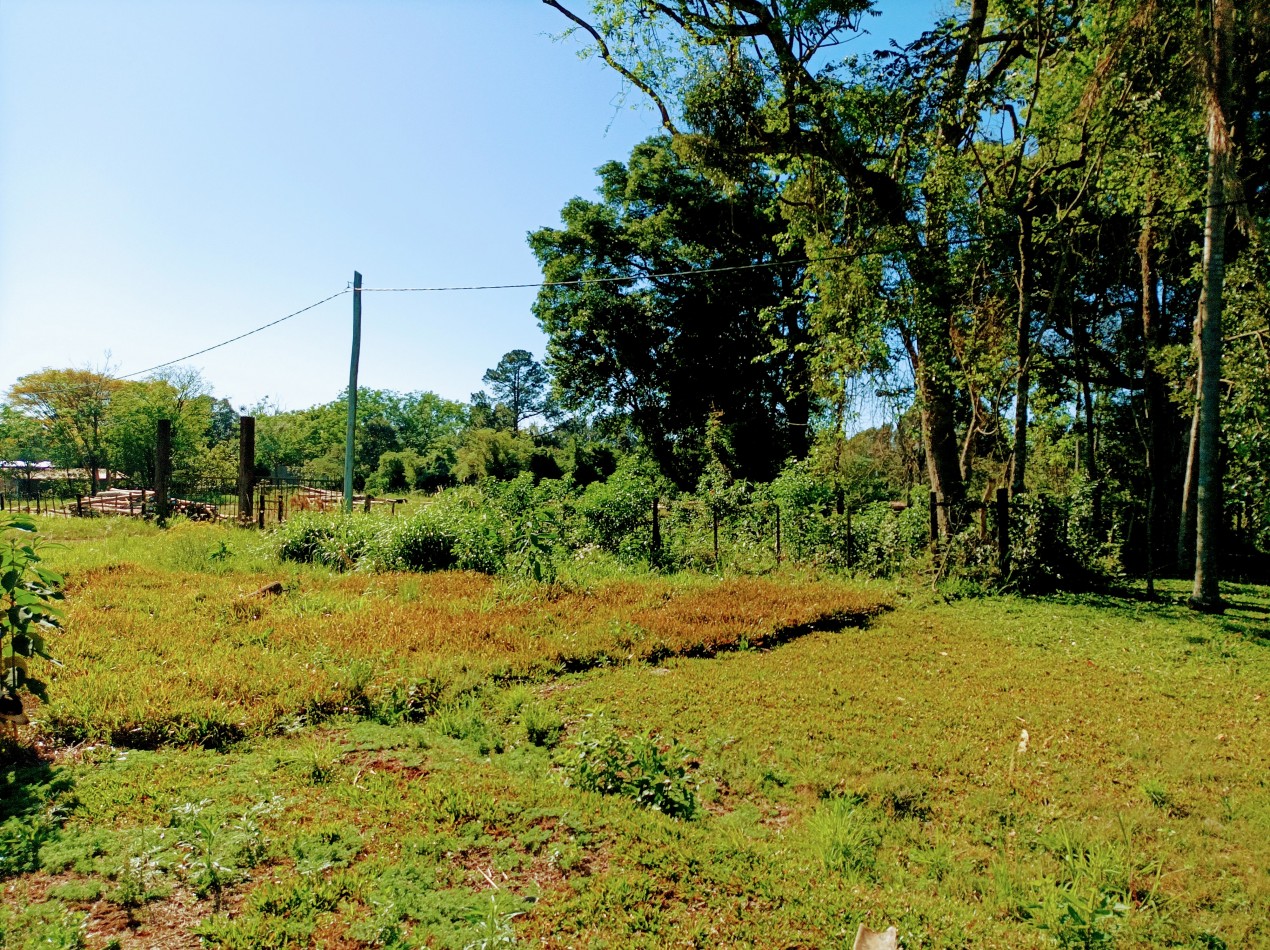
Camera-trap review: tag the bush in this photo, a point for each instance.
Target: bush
(1042, 556)
(336, 540)
(883, 541)
(461, 529)
(617, 514)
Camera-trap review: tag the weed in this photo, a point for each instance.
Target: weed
(543, 726)
(494, 928)
(646, 769)
(845, 836)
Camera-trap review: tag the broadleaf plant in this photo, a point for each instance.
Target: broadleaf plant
(29, 610)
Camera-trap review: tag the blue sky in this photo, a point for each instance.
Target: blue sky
(173, 174)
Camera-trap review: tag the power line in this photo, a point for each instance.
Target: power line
(689, 272)
(181, 359)
(235, 339)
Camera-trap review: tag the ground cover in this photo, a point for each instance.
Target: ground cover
(993, 772)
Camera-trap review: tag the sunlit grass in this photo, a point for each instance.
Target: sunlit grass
(875, 774)
(169, 642)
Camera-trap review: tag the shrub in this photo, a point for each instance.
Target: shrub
(884, 541)
(336, 540)
(1041, 557)
(617, 514)
(460, 530)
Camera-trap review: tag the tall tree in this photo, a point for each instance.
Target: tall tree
(1206, 593)
(670, 300)
(748, 79)
(520, 383)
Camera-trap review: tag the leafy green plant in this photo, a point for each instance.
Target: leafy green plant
(29, 594)
(533, 545)
(644, 768)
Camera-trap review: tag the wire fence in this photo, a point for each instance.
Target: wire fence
(272, 500)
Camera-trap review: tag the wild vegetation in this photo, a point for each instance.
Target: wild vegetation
(625, 758)
(660, 647)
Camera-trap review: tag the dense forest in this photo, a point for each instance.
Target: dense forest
(1026, 250)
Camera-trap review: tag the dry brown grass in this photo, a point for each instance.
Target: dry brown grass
(155, 656)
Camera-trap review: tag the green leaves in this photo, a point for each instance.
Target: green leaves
(29, 596)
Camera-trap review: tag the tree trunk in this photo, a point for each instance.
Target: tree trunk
(1023, 350)
(1186, 525)
(935, 371)
(943, 463)
(1159, 413)
(1206, 593)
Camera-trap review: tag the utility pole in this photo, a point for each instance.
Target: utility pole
(352, 391)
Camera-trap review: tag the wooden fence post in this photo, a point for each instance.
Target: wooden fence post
(162, 469)
(849, 558)
(246, 466)
(714, 518)
(1003, 530)
(656, 546)
(260, 510)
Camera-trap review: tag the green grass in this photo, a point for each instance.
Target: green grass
(874, 774)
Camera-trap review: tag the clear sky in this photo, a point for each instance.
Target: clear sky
(173, 174)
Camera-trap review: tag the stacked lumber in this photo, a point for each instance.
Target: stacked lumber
(132, 502)
(322, 499)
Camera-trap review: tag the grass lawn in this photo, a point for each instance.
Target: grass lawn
(627, 760)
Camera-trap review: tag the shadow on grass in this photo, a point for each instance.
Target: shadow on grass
(30, 787)
(1246, 609)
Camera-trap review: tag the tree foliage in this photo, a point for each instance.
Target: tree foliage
(671, 323)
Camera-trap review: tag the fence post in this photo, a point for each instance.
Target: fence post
(656, 550)
(714, 518)
(849, 558)
(1003, 530)
(280, 518)
(246, 466)
(934, 519)
(162, 469)
(366, 507)
(778, 532)
(260, 510)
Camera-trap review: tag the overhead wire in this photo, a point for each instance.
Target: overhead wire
(634, 278)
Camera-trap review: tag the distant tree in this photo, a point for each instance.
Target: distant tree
(22, 437)
(520, 383)
(422, 418)
(485, 414)
(73, 406)
(487, 453)
(181, 396)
